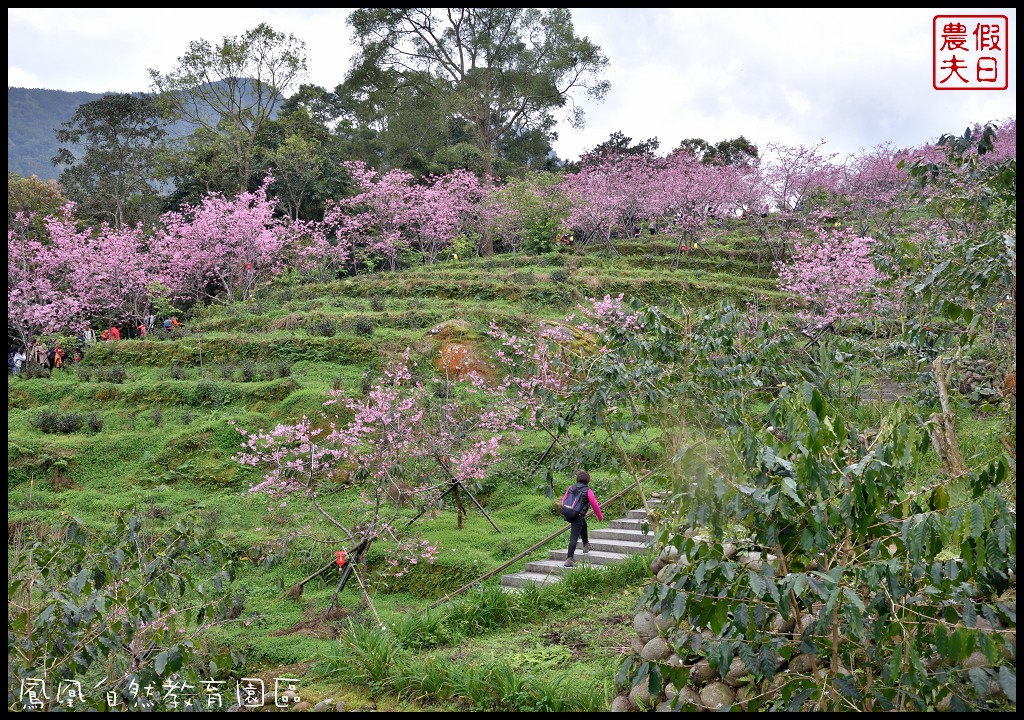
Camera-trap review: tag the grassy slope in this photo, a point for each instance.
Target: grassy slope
(166, 446)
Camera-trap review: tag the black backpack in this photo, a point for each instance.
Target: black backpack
(576, 502)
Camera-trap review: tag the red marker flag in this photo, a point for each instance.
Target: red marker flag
(341, 558)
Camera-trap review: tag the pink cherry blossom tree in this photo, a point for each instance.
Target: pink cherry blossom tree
(407, 443)
(77, 275)
(224, 248)
(831, 279)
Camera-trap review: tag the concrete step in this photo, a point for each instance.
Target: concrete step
(626, 524)
(594, 557)
(517, 581)
(608, 545)
(621, 547)
(618, 534)
(557, 567)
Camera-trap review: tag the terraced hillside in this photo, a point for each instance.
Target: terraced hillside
(157, 435)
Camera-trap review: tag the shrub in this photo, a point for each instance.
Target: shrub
(324, 327)
(114, 374)
(560, 275)
(158, 416)
(377, 303)
(248, 371)
(95, 421)
(227, 371)
(284, 368)
(51, 421)
(363, 326)
(84, 372)
(35, 370)
(69, 422)
(45, 421)
(212, 393)
(178, 372)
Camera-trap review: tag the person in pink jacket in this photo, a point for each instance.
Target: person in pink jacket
(578, 520)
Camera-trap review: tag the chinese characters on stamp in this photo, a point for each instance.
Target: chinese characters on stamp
(970, 52)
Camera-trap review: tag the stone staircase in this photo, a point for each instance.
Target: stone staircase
(608, 545)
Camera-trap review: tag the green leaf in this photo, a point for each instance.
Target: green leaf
(756, 583)
(160, 663)
(1008, 682)
(78, 583)
(854, 598)
(719, 618)
(847, 688)
(979, 678)
(977, 521)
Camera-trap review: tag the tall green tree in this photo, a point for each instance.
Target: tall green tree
(621, 144)
(738, 151)
(112, 181)
(502, 71)
(31, 196)
(232, 90)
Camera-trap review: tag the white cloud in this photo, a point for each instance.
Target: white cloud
(856, 78)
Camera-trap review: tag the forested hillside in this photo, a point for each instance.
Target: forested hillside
(33, 114)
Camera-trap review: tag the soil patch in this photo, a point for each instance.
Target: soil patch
(315, 626)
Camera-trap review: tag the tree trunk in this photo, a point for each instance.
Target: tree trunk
(943, 431)
(486, 242)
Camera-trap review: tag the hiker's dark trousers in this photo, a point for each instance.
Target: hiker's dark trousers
(577, 532)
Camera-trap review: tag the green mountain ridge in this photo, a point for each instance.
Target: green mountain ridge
(33, 117)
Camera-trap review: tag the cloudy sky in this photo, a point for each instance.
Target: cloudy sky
(852, 78)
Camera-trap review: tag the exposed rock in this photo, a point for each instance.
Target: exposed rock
(670, 691)
(975, 659)
(665, 623)
(728, 550)
(717, 695)
(637, 645)
(645, 626)
(655, 650)
(640, 694)
(674, 660)
(620, 704)
(738, 673)
(301, 706)
(688, 697)
(665, 706)
(340, 707)
(657, 565)
(781, 624)
(670, 553)
(324, 705)
(994, 691)
(806, 621)
(701, 673)
(803, 663)
(741, 697)
(752, 560)
(778, 681)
